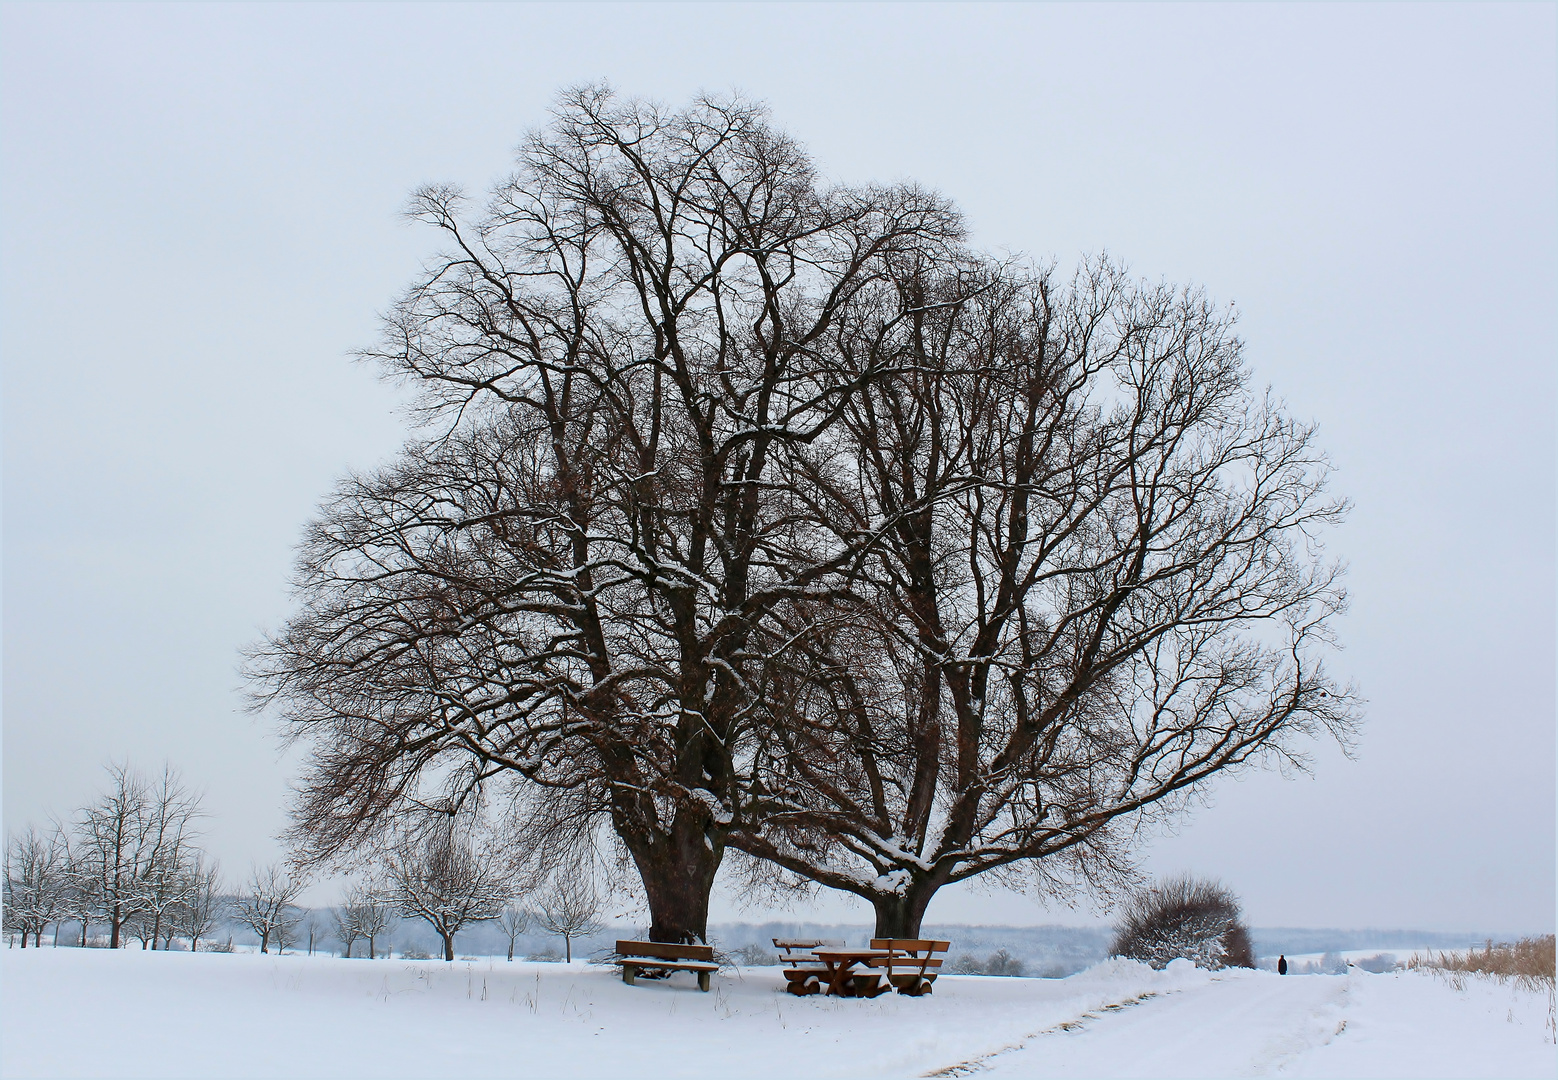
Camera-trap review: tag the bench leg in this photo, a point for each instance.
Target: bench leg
(703, 981)
(628, 971)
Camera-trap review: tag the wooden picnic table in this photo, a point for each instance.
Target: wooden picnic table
(840, 965)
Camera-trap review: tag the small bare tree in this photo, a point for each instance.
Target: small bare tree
(165, 874)
(203, 904)
(439, 876)
(569, 906)
(345, 927)
(361, 915)
(268, 904)
(514, 921)
(78, 902)
(34, 884)
(373, 917)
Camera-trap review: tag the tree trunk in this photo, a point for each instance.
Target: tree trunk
(371, 955)
(678, 873)
(83, 933)
(448, 946)
(898, 915)
(265, 941)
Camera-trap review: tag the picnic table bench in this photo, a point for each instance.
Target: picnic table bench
(667, 957)
(803, 971)
(908, 965)
(912, 963)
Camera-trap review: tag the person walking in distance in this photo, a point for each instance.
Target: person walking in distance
(1282, 964)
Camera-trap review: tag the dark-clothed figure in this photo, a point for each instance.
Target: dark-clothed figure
(1282, 964)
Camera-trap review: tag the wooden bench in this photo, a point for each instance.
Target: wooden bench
(664, 956)
(803, 971)
(912, 963)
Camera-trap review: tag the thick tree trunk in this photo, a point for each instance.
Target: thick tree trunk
(898, 915)
(448, 945)
(678, 874)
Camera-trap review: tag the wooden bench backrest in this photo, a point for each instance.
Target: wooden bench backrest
(913, 945)
(799, 951)
(665, 950)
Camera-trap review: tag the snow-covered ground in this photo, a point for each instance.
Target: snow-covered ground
(95, 1012)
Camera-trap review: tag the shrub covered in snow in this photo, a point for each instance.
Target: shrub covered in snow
(1194, 918)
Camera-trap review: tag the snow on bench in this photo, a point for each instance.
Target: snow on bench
(912, 964)
(664, 956)
(802, 968)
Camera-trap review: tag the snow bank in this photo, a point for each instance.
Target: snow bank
(71, 1012)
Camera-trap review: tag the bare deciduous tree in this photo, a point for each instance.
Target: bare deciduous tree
(514, 921)
(373, 918)
(204, 903)
(34, 884)
(268, 904)
(361, 914)
(131, 851)
(437, 874)
(766, 515)
(344, 921)
(1108, 590)
(635, 355)
(569, 906)
(164, 873)
(110, 848)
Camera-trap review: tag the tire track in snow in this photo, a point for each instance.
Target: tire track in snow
(1233, 1025)
(981, 1063)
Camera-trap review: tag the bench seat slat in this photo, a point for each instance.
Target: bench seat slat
(677, 965)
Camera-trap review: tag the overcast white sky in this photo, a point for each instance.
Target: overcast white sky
(198, 222)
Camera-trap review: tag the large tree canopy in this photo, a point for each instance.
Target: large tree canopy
(763, 513)
(1101, 587)
(632, 355)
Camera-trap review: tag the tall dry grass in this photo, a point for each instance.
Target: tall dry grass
(1528, 963)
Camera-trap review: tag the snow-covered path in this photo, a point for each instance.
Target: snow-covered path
(1230, 1025)
(96, 1012)
(1242, 1023)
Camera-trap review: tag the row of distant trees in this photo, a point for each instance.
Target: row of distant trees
(130, 862)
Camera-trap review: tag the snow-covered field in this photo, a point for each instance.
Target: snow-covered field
(95, 1012)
